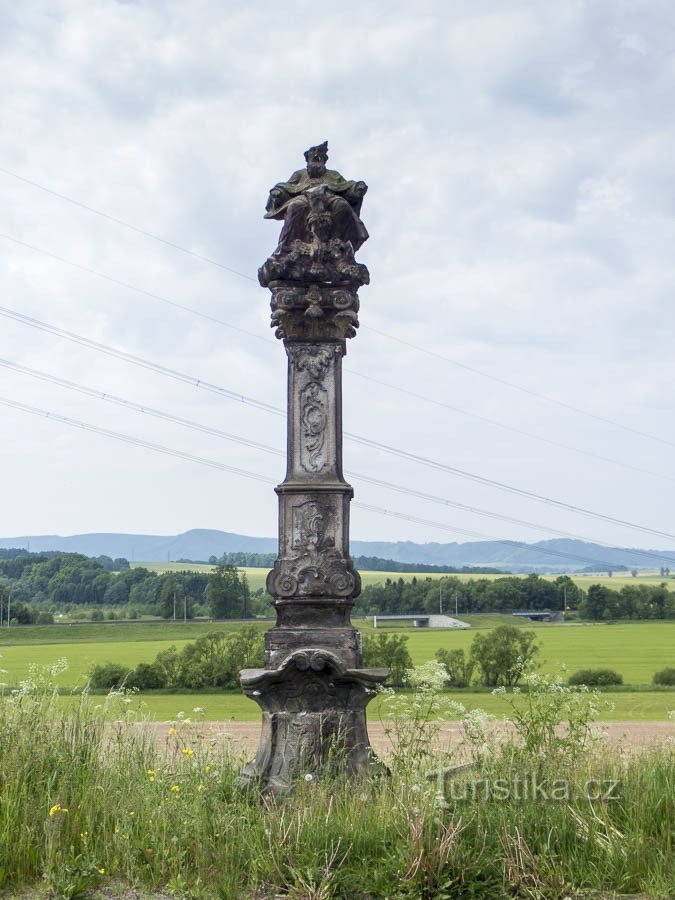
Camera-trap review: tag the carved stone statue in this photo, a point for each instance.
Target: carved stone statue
(313, 690)
(318, 204)
(312, 273)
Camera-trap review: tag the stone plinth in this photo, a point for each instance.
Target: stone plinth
(313, 712)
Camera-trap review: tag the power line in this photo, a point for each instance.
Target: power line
(519, 387)
(403, 454)
(230, 325)
(104, 215)
(138, 442)
(137, 407)
(135, 288)
(139, 361)
(207, 429)
(519, 544)
(489, 482)
(503, 381)
(215, 464)
(498, 424)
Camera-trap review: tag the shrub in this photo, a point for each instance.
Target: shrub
(147, 677)
(388, 651)
(665, 676)
(595, 677)
(459, 666)
(504, 654)
(107, 676)
(216, 659)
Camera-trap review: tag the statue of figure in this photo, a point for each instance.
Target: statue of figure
(317, 205)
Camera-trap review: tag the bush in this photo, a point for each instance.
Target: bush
(665, 676)
(107, 676)
(504, 654)
(458, 666)
(147, 677)
(387, 651)
(595, 677)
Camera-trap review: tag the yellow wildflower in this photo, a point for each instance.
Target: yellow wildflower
(200, 788)
(188, 751)
(151, 773)
(101, 871)
(151, 779)
(57, 808)
(175, 788)
(207, 769)
(172, 730)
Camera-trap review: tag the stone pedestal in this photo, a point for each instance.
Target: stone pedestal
(313, 690)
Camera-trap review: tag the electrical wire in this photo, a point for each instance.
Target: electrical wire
(217, 432)
(420, 349)
(136, 289)
(244, 473)
(196, 312)
(143, 231)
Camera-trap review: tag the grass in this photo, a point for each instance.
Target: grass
(636, 650)
(85, 806)
(256, 577)
(643, 706)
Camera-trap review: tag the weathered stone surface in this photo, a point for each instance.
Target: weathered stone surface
(314, 313)
(313, 691)
(313, 710)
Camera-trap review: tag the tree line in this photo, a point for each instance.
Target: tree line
(367, 563)
(509, 594)
(34, 586)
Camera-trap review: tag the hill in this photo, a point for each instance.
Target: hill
(552, 555)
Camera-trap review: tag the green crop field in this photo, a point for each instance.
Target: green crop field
(256, 577)
(636, 650)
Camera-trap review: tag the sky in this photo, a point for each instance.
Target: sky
(519, 323)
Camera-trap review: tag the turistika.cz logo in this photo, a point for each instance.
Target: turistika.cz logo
(530, 787)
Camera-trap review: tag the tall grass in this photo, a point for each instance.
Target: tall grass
(85, 804)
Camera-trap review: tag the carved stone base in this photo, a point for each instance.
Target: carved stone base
(314, 711)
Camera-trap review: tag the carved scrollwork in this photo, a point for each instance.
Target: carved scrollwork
(313, 312)
(315, 361)
(341, 583)
(330, 577)
(284, 585)
(314, 419)
(313, 527)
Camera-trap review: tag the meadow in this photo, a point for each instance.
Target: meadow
(256, 577)
(636, 650)
(90, 808)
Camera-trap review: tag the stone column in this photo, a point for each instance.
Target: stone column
(313, 690)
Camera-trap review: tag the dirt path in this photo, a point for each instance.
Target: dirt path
(244, 736)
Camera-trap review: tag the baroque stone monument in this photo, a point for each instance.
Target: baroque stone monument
(313, 690)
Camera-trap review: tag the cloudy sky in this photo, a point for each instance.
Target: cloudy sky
(521, 167)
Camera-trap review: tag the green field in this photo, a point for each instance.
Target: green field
(639, 706)
(636, 650)
(256, 577)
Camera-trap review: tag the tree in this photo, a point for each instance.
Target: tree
(503, 653)
(175, 598)
(226, 593)
(388, 651)
(459, 666)
(216, 659)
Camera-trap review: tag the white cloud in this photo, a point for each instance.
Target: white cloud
(522, 219)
